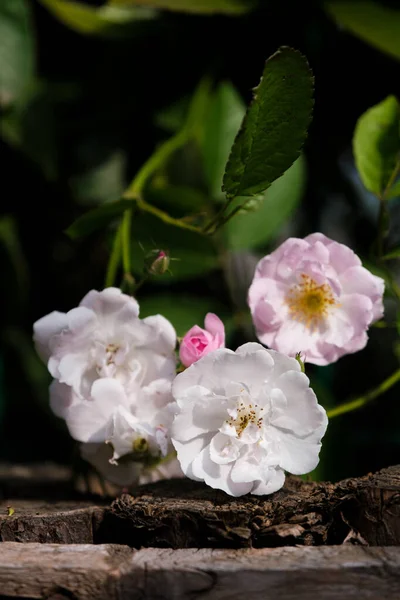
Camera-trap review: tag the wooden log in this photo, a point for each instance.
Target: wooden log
(183, 514)
(83, 572)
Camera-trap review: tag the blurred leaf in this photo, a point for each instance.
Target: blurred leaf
(394, 191)
(17, 50)
(275, 125)
(9, 240)
(178, 200)
(196, 253)
(223, 120)
(374, 23)
(278, 202)
(376, 144)
(30, 126)
(97, 218)
(229, 7)
(172, 117)
(183, 311)
(106, 20)
(392, 254)
(103, 182)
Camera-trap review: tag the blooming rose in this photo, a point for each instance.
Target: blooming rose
(104, 337)
(313, 296)
(198, 342)
(246, 417)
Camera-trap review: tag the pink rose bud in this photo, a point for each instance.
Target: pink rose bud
(157, 262)
(198, 342)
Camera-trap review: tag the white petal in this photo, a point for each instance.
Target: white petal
(246, 470)
(188, 451)
(302, 413)
(274, 483)
(217, 476)
(110, 301)
(164, 332)
(61, 398)
(223, 449)
(126, 473)
(88, 420)
(300, 456)
(46, 328)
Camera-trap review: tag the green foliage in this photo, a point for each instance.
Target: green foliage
(29, 126)
(374, 23)
(394, 191)
(17, 52)
(10, 244)
(395, 253)
(97, 218)
(106, 21)
(222, 123)
(103, 182)
(256, 228)
(275, 125)
(229, 7)
(376, 145)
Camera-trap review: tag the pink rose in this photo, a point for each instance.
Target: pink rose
(313, 296)
(198, 342)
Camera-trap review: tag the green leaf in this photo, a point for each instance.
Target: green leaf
(195, 253)
(376, 144)
(222, 123)
(392, 254)
(104, 182)
(229, 7)
(97, 218)
(9, 241)
(106, 20)
(394, 191)
(256, 228)
(374, 23)
(275, 125)
(183, 311)
(17, 50)
(30, 126)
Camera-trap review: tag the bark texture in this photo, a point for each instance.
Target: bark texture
(184, 514)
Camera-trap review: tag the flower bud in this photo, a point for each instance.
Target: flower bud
(157, 262)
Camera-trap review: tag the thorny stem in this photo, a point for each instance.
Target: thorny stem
(368, 397)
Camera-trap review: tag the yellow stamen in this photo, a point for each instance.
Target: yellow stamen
(310, 303)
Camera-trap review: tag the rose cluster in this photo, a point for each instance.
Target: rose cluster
(236, 420)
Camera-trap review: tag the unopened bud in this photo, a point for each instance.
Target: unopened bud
(157, 262)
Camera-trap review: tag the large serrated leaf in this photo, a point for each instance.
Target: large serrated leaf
(374, 23)
(229, 7)
(103, 21)
(17, 52)
(376, 144)
(275, 126)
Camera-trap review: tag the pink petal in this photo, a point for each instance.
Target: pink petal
(215, 326)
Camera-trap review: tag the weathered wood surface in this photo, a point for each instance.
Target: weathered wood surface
(107, 572)
(182, 513)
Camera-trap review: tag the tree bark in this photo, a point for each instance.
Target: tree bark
(183, 514)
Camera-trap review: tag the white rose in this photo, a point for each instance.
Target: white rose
(103, 338)
(245, 418)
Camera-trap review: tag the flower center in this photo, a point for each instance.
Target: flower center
(244, 415)
(310, 303)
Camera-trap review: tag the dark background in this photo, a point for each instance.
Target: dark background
(99, 99)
